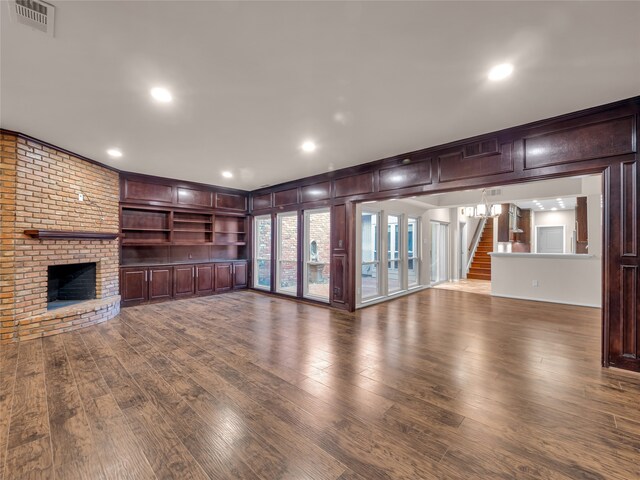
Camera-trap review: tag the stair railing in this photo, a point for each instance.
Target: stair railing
(477, 235)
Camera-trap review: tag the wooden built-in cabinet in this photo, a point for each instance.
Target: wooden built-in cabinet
(151, 284)
(180, 239)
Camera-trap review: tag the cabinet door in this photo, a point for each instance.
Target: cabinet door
(183, 280)
(204, 279)
(240, 275)
(133, 285)
(160, 283)
(223, 276)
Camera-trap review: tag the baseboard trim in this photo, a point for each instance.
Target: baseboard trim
(513, 297)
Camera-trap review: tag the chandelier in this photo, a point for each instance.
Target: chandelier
(483, 209)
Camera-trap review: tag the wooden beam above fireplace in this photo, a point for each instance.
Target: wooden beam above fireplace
(66, 235)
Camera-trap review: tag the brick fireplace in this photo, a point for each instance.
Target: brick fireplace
(40, 188)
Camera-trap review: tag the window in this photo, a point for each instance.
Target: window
(287, 265)
(317, 232)
(370, 255)
(262, 253)
(413, 252)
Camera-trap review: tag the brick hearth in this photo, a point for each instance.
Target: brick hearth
(39, 189)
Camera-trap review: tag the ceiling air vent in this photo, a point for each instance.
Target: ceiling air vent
(35, 14)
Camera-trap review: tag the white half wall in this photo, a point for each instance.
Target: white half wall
(570, 279)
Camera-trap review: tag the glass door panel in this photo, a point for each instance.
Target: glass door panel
(413, 252)
(317, 232)
(394, 259)
(370, 279)
(262, 254)
(287, 265)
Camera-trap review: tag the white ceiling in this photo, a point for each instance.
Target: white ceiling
(251, 81)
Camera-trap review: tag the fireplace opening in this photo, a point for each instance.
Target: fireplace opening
(69, 284)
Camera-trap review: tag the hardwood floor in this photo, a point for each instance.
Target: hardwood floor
(439, 384)
(482, 287)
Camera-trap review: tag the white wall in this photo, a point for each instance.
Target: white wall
(566, 218)
(575, 281)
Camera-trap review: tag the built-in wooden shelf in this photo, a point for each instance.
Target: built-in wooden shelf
(70, 235)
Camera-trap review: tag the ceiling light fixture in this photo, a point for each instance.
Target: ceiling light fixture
(500, 72)
(114, 152)
(227, 174)
(308, 146)
(554, 209)
(162, 95)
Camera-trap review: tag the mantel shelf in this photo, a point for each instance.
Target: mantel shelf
(70, 235)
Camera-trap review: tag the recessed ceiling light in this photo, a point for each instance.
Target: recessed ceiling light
(500, 72)
(161, 94)
(308, 146)
(559, 199)
(554, 209)
(114, 152)
(535, 201)
(227, 174)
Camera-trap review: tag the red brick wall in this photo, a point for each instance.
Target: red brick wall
(47, 183)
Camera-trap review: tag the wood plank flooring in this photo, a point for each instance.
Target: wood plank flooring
(436, 385)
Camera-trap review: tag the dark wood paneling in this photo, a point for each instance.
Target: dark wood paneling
(629, 209)
(133, 285)
(353, 185)
(630, 328)
(160, 283)
(223, 277)
(204, 279)
(401, 176)
(240, 275)
(597, 140)
(155, 192)
(183, 281)
(454, 166)
(315, 192)
(484, 147)
(192, 197)
(285, 197)
(339, 277)
(228, 201)
(261, 202)
(582, 226)
(190, 253)
(339, 228)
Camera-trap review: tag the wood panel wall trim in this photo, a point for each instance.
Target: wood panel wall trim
(602, 139)
(629, 329)
(629, 211)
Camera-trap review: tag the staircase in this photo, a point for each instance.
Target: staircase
(480, 268)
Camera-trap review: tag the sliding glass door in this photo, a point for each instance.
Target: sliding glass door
(262, 252)
(439, 252)
(370, 271)
(287, 254)
(394, 254)
(413, 252)
(317, 233)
